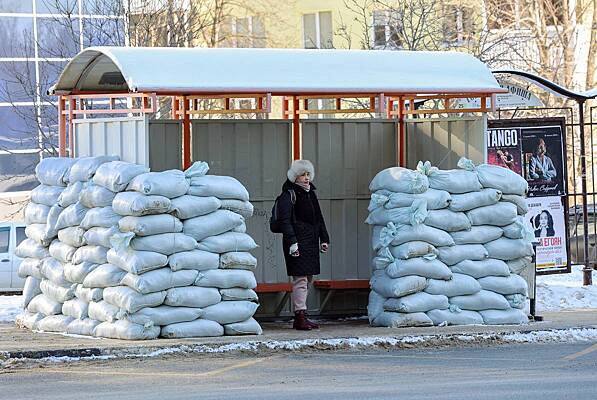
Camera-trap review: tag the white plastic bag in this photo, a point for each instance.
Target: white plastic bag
(396, 235)
(52, 270)
(130, 300)
(413, 215)
(75, 308)
(239, 294)
(187, 206)
(453, 181)
(226, 278)
(482, 268)
(435, 199)
(483, 300)
(44, 305)
(100, 236)
(106, 275)
(137, 204)
(71, 216)
(30, 248)
(92, 254)
(417, 302)
(192, 296)
(162, 315)
(213, 224)
(56, 292)
(150, 224)
(454, 254)
(70, 195)
(82, 327)
(54, 171)
(126, 330)
(37, 232)
(171, 183)
(136, 262)
(509, 249)
(227, 242)
(164, 243)
(500, 214)
(30, 290)
(400, 180)
(248, 327)
(388, 287)
(502, 179)
(447, 220)
(461, 317)
(228, 312)
(101, 217)
(194, 259)
(197, 328)
(30, 267)
(222, 187)
(512, 284)
(401, 320)
(244, 208)
(62, 251)
(426, 267)
(54, 323)
(469, 201)
(158, 280)
(512, 316)
(459, 285)
(375, 305)
(521, 204)
(516, 300)
(46, 195)
(116, 175)
(477, 235)
(519, 265)
(85, 167)
(89, 295)
(28, 320)
(36, 213)
(102, 311)
(52, 221)
(73, 236)
(76, 273)
(518, 230)
(96, 196)
(238, 260)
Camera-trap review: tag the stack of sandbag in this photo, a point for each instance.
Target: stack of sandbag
(449, 247)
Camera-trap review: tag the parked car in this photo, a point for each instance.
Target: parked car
(576, 234)
(11, 235)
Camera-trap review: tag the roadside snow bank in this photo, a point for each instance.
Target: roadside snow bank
(565, 291)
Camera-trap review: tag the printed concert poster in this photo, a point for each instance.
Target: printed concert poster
(546, 219)
(542, 156)
(504, 148)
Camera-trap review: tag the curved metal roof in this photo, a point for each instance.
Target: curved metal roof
(550, 86)
(278, 71)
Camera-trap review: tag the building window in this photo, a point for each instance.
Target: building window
(242, 32)
(458, 23)
(386, 29)
(318, 31)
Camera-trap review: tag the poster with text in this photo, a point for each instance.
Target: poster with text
(504, 148)
(543, 163)
(546, 219)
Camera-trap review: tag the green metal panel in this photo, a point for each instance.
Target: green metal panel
(165, 144)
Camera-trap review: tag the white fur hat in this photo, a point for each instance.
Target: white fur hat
(298, 168)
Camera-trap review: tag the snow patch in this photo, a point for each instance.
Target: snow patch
(565, 291)
(10, 307)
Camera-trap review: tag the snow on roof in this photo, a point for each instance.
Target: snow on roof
(278, 71)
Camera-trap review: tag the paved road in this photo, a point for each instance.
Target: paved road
(524, 371)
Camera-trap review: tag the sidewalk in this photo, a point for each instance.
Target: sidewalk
(21, 343)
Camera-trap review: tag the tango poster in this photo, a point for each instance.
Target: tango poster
(504, 148)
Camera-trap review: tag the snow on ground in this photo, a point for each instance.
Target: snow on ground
(565, 291)
(10, 307)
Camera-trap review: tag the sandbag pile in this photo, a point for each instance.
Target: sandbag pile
(140, 254)
(451, 246)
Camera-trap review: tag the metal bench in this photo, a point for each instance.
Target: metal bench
(280, 287)
(334, 285)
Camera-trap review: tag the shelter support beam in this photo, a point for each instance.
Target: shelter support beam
(588, 267)
(186, 134)
(61, 127)
(71, 125)
(296, 129)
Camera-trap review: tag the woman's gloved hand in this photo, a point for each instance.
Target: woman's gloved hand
(324, 247)
(294, 250)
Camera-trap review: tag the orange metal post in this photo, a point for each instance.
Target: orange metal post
(285, 107)
(296, 126)
(186, 134)
(175, 107)
(390, 107)
(71, 126)
(401, 140)
(61, 127)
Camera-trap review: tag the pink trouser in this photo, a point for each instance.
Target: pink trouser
(300, 290)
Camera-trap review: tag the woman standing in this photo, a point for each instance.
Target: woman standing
(304, 235)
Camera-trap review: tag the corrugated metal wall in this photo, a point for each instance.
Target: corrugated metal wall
(165, 144)
(444, 140)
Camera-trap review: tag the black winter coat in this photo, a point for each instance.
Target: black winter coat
(303, 224)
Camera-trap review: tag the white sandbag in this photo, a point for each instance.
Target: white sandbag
(52, 221)
(375, 305)
(162, 315)
(101, 217)
(71, 216)
(137, 204)
(453, 181)
(448, 220)
(76, 273)
(116, 175)
(44, 305)
(512, 284)
(187, 206)
(512, 316)
(150, 224)
(481, 268)
(106, 275)
(54, 171)
(516, 300)
(500, 214)
(89, 295)
(75, 308)
(164, 243)
(435, 199)
(73, 236)
(417, 302)
(426, 267)
(400, 320)
(192, 296)
(194, 259)
(226, 278)
(222, 187)
(396, 235)
(509, 249)
(160, 279)
(502, 179)
(37, 232)
(484, 300)
(46, 195)
(53, 270)
(383, 259)
(213, 224)
(126, 330)
(238, 260)
(70, 195)
(130, 300)
(30, 267)
(412, 249)
(469, 201)
(82, 327)
(228, 312)
(171, 183)
(54, 323)
(62, 251)
(454, 254)
(477, 235)
(388, 287)
(519, 265)
(30, 290)
(413, 215)
(136, 262)
(520, 202)
(56, 292)
(198, 328)
(93, 196)
(85, 167)
(227, 242)
(92, 254)
(36, 213)
(518, 230)
(28, 320)
(400, 180)
(239, 294)
(463, 317)
(102, 311)
(248, 327)
(244, 208)
(99, 236)
(29, 248)
(459, 285)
